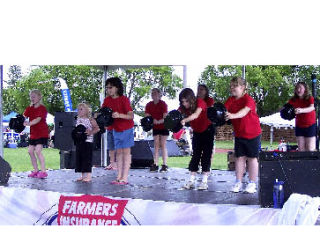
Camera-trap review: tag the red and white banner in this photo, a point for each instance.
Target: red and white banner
(21, 206)
(90, 210)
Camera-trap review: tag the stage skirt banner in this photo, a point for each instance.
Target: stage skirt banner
(22, 206)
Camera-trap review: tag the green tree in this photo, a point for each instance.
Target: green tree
(85, 84)
(37, 79)
(14, 74)
(8, 101)
(138, 83)
(271, 86)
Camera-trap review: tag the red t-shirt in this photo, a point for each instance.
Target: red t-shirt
(120, 104)
(39, 130)
(157, 111)
(202, 122)
(248, 126)
(209, 101)
(304, 119)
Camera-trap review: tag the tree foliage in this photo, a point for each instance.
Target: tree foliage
(85, 84)
(14, 75)
(138, 83)
(270, 86)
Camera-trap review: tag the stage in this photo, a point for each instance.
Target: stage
(142, 185)
(153, 198)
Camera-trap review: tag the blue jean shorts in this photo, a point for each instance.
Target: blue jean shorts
(110, 140)
(124, 139)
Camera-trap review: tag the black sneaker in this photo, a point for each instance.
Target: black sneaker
(164, 168)
(154, 168)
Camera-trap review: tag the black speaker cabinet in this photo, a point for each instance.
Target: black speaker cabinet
(300, 172)
(64, 122)
(5, 170)
(68, 159)
(141, 154)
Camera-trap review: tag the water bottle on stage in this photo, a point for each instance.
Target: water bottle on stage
(278, 194)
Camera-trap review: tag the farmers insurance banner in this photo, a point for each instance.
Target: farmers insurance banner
(90, 210)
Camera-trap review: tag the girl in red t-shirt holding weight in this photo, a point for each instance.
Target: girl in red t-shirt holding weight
(241, 110)
(39, 132)
(195, 111)
(158, 109)
(305, 130)
(122, 127)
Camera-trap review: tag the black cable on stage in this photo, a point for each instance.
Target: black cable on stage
(285, 175)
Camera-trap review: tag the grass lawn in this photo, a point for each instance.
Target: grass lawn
(20, 161)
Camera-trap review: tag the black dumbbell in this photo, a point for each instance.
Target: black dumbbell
(287, 112)
(16, 123)
(172, 121)
(147, 123)
(216, 114)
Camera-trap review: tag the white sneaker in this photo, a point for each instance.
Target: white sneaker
(237, 187)
(189, 185)
(203, 186)
(251, 188)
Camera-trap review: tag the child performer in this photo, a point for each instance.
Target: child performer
(84, 150)
(195, 110)
(241, 110)
(39, 132)
(203, 93)
(122, 127)
(158, 109)
(305, 130)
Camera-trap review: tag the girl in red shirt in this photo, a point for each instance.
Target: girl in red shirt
(158, 109)
(241, 110)
(203, 93)
(195, 111)
(305, 130)
(122, 127)
(39, 133)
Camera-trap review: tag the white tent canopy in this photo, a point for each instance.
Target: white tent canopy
(276, 121)
(50, 119)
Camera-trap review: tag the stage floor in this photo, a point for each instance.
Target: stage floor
(142, 185)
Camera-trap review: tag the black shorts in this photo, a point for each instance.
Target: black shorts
(306, 131)
(247, 147)
(34, 142)
(161, 132)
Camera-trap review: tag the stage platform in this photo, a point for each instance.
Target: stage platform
(143, 184)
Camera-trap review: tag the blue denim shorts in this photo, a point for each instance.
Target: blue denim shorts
(110, 140)
(124, 139)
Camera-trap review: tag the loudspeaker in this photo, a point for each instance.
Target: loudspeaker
(67, 159)
(64, 122)
(141, 154)
(300, 172)
(5, 170)
(172, 148)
